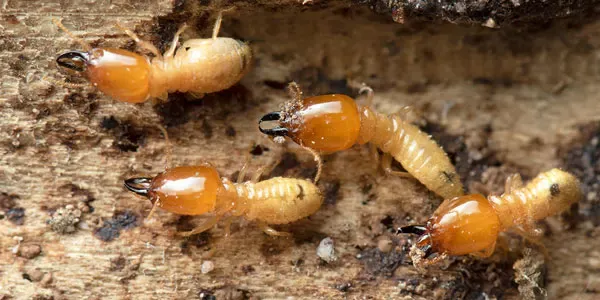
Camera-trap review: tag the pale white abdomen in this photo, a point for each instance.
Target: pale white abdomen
(281, 200)
(202, 66)
(420, 155)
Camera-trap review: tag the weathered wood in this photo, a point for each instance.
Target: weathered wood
(498, 100)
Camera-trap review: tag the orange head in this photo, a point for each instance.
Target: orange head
(325, 123)
(462, 225)
(182, 190)
(121, 74)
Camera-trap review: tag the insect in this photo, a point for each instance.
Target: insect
(470, 224)
(196, 190)
(330, 123)
(199, 66)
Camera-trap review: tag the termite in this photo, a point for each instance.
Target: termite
(470, 224)
(330, 123)
(199, 66)
(196, 190)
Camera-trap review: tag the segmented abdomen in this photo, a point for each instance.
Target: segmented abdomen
(420, 155)
(202, 66)
(282, 200)
(548, 194)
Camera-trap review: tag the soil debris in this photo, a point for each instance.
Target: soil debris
(112, 228)
(326, 250)
(530, 274)
(29, 251)
(64, 220)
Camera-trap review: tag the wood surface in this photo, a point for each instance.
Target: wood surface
(501, 100)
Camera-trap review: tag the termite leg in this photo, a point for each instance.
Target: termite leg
(386, 164)
(154, 206)
(270, 231)
(244, 169)
(196, 95)
(513, 182)
(532, 235)
(374, 153)
(227, 226)
(208, 224)
(171, 50)
(144, 44)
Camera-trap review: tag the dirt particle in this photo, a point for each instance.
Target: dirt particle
(271, 248)
(343, 287)
(330, 190)
(247, 269)
(258, 150)
(35, 275)
(84, 103)
(385, 245)
(117, 263)
(530, 273)
(29, 251)
(46, 280)
(64, 220)
(230, 293)
(376, 262)
(230, 131)
(206, 295)
(326, 250)
(16, 215)
(112, 228)
(26, 277)
(109, 122)
(192, 243)
(128, 137)
(207, 267)
(8, 201)
(207, 130)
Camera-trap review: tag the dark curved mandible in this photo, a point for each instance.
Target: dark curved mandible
(66, 60)
(140, 186)
(276, 131)
(413, 229)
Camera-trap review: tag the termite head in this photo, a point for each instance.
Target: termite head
(326, 123)
(462, 225)
(121, 74)
(182, 190)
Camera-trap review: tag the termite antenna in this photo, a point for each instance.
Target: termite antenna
(58, 23)
(412, 229)
(275, 131)
(169, 154)
(65, 84)
(74, 60)
(317, 160)
(140, 185)
(219, 20)
(295, 91)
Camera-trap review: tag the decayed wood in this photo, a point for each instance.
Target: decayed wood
(498, 100)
